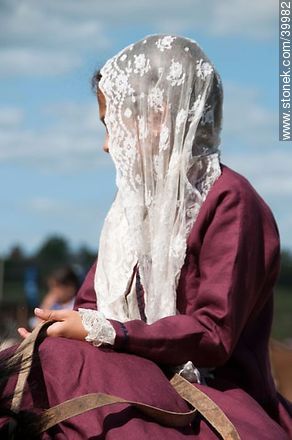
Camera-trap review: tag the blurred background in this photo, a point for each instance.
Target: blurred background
(56, 182)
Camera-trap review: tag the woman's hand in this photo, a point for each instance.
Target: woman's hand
(68, 324)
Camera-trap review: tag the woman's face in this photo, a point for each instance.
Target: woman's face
(102, 109)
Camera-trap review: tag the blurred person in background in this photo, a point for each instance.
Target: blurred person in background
(62, 286)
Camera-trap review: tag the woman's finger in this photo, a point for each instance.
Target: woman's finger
(23, 332)
(56, 329)
(55, 315)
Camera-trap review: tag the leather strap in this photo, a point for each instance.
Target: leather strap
(200, 401)
(24, 353)
(206, 407)
(79, 405)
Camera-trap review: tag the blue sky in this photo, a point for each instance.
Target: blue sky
(55, 178)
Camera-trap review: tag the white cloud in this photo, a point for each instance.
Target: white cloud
(246, 119)
(55, 210)
(27, 61)
(73, 138)
(270, 171)
(31, 24)
(250, 142)
(277, 184)
(10, 116)
(79, 220)
(51, 37)
(73, 115)
(72, 141)
(245, 18)
(45, 205)
(35, 41)
(32, 33)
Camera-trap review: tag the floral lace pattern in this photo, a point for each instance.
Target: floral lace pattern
(164, 43)
(163, 115)
(176, 75)
(100, 331)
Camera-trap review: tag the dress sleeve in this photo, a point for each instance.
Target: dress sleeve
(86, 297)
(238, 257)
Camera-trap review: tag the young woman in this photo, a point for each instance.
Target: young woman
(188, 258)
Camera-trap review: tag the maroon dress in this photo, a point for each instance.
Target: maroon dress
(225, 300)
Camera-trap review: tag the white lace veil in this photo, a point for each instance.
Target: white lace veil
(163, 115)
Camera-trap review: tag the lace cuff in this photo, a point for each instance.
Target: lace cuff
(100, 331)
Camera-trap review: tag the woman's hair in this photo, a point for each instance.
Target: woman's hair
(96, 77)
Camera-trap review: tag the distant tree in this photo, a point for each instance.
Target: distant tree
(285, 276)
(16, 253)
(54, 247)
(15, 262)
(85, 257)
(53, 253)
